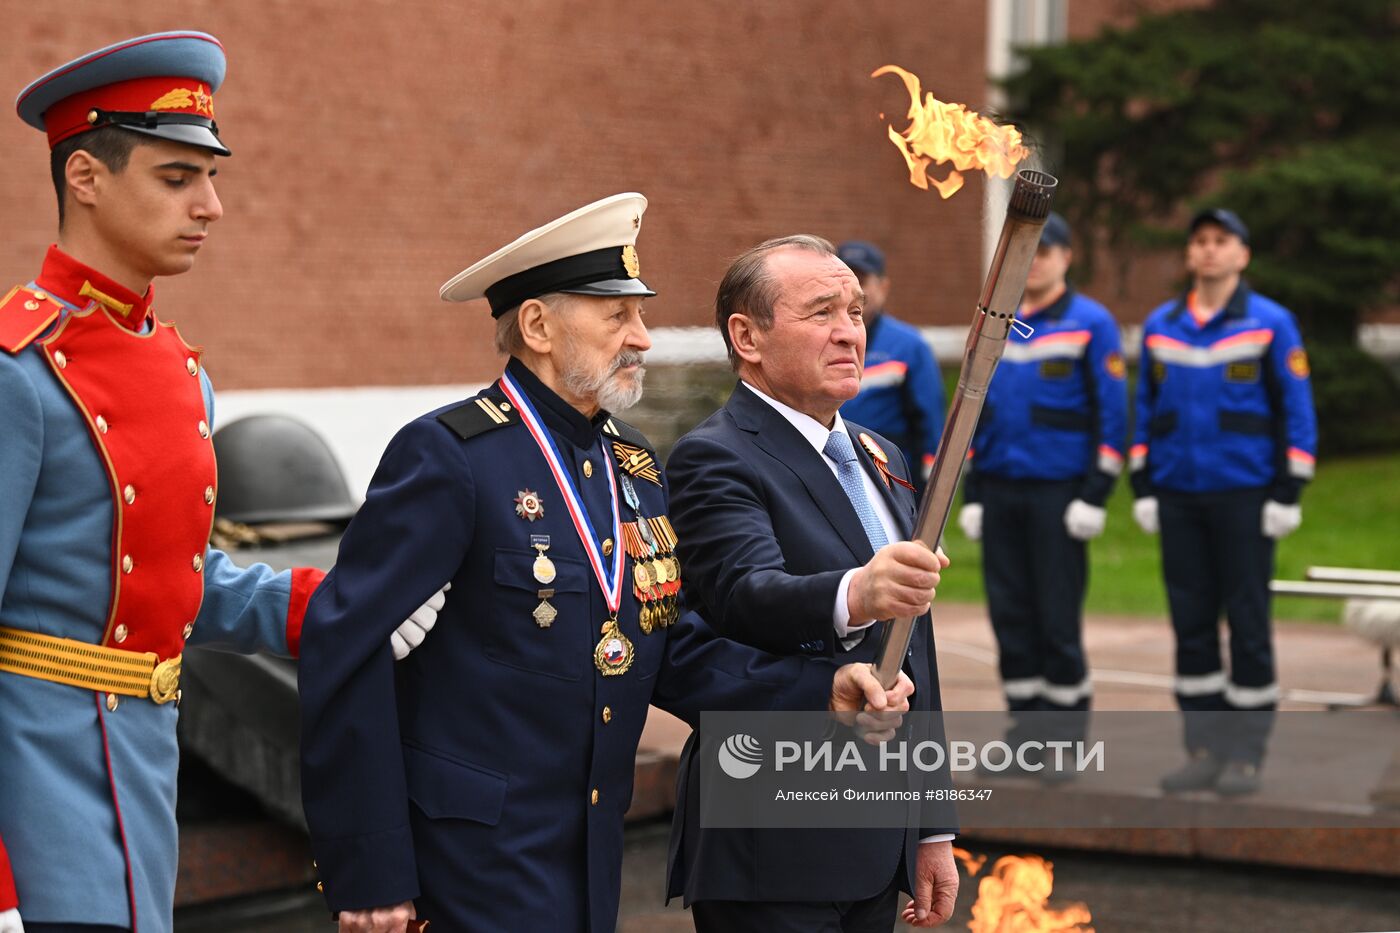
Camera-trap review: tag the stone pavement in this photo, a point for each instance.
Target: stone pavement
(1131, 666)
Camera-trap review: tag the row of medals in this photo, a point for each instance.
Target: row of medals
(656, 582)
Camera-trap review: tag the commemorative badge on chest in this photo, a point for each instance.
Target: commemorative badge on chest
(528, 505)
(882, 461)
(656, 573)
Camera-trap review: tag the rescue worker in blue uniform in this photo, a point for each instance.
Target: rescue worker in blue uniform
(901, 389)
(1224, 439)
(1044, 458)
(108, 497)
(481, 784)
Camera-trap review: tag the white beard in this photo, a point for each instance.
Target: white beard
(605, 387)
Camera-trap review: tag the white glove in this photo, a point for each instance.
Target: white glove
(1145, 514)
(1084, 521)
(416, 627)
(10, 921)
(970, 521)
(1279, 520)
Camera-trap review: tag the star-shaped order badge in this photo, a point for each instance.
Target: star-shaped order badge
(528, 505)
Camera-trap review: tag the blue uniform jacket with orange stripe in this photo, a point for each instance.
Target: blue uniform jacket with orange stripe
(1057, 407)
(901, 390)
(1226, 404)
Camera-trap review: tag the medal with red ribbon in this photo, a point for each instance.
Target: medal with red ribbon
(608, 573)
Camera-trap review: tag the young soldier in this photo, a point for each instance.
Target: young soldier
(108, 495)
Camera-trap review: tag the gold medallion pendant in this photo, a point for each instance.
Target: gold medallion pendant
(544, 569)
(614, 653)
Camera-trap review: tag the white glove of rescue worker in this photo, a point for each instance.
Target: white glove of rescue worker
(1145, 514)
(1279, 520)
(1084, 521)
(416, 627)
(970, 521)
(10, 921)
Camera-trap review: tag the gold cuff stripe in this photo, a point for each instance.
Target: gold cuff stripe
(80, 664)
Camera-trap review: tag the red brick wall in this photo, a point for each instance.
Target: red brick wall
(382, 146)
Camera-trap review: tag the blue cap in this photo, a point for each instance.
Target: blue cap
(160, 85)
(1056, 231)
(1227, 219)
(863, 258)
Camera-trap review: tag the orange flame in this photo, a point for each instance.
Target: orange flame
(972, 864)
(1012, 899)
(940, 132)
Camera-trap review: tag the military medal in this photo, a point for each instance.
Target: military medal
(544, 613)
(528, 505)
(613, 656)
(544, 567)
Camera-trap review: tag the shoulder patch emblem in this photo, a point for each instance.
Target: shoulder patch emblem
(479, 415)
(1298, 363)
(1115, 366)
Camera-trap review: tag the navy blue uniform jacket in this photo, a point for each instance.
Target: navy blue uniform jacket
(464, 777)
(766, 534)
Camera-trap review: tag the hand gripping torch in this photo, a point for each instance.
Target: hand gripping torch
(996, 312)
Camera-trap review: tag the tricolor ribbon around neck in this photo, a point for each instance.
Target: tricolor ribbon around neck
(609, 577)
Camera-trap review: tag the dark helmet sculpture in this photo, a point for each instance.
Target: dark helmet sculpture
(273, 468)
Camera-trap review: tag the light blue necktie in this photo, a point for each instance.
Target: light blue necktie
(838, 448)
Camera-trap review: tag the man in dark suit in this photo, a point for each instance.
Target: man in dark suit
(481, 784)
(794, 526)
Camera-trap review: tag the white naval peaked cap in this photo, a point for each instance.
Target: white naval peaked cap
(590, 251)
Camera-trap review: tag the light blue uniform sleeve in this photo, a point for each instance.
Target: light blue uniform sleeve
(21, 455)
(244, 609)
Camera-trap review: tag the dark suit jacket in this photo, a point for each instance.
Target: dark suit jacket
(766, 533)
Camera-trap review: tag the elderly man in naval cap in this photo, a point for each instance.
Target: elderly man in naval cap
(108, 497)
(482, 784)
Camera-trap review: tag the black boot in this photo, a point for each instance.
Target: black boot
(1239, 779)
(1200, 773)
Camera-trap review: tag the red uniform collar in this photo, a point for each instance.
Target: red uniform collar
(69, 280)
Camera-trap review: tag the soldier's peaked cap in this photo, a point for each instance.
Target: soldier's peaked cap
(159, 85)
(590, 251)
